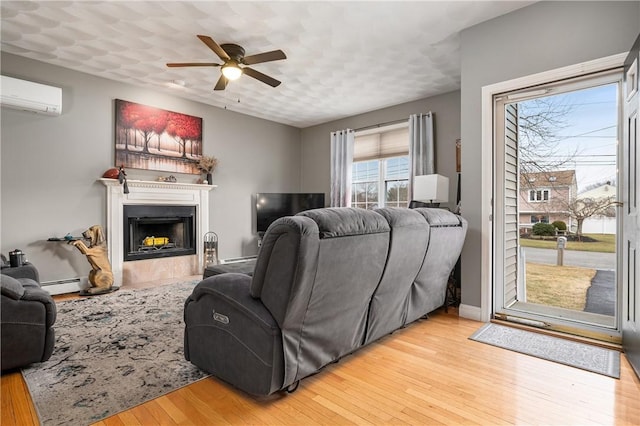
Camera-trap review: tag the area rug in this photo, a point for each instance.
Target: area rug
(575, 354)
(112, 353)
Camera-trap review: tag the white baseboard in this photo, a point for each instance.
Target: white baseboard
(71, 285)
(470, 312)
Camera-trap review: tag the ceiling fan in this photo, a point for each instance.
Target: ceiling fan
(233, 56)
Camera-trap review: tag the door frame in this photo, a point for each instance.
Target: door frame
(487, 168)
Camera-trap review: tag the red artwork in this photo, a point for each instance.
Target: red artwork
(155, 139)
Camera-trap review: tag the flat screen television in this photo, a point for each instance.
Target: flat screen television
(272, 206)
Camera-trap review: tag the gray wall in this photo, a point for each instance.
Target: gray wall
(50, 166)
(540, 37)
(316, 147)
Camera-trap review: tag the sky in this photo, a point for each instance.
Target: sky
(588, 132)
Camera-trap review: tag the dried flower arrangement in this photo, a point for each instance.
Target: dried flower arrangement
(207, 164)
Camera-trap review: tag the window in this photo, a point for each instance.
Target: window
(538, 195)
(380, 174)
(539, 219)
(365, 187)
(396, 181)
(388, 176)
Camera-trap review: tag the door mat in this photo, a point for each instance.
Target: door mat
(575, 354)
(112, 352)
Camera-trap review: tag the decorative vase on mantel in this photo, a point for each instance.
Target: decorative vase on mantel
(207, 165)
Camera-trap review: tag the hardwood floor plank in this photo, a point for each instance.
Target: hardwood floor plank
(16, 411)
(129, 418)
(160, 416)
(171, 410)
(304, 403)
(367, 407)
(143, 415)
(114, 421)
(191, 410)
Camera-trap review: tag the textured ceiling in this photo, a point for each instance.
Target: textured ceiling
(343, 58)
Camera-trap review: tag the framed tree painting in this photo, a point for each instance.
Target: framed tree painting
(155, 139)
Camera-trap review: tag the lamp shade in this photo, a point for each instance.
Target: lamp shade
(231, 70)
(431, 188)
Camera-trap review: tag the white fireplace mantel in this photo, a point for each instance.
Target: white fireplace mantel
(149, 193)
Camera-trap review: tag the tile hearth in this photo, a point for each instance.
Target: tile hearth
(165, 268)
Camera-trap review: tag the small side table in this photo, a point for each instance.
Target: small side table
(453, 285)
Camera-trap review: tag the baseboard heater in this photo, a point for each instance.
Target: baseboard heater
(68, 285)
(237, 259)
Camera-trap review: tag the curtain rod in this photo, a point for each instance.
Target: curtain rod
(388, 123)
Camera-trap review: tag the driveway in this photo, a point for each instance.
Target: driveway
(601, 296)
(584, 259)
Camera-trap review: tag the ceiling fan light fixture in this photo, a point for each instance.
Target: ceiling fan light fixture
(231, 71)
(232, 56)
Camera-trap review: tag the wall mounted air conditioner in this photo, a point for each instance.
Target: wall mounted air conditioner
(29, 96)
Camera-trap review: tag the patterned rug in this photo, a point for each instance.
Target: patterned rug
(112, 353)
(575, 354)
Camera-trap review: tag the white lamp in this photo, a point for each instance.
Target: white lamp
(432, 189)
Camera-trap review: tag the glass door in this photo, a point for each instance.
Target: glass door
(556, 218)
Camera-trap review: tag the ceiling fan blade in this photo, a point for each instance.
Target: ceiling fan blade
(193, 64)
(274, 55)
(262, 77)
(222, 83)
(215, 47)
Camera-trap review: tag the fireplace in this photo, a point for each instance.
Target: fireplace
(154, 231)
(155, 193)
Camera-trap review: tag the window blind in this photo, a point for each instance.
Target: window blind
(384, 144)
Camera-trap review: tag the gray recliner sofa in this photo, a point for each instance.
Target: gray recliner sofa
(27, 316)
(326, 282)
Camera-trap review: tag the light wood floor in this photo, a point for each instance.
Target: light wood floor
(427, 373)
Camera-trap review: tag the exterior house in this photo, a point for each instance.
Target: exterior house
(600, 224)
(544, 197)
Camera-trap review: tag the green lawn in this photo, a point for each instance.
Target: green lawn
(605, 243)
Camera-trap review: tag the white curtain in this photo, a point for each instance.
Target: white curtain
(341, 162)
(421, 147)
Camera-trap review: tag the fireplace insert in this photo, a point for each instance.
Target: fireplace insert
(153, 231)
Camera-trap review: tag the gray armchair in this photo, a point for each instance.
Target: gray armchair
(27, 316)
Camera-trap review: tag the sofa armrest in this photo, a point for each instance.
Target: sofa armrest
(11, 287)
(232, 335)
(25, 271)
(36, 294)
(27, 290)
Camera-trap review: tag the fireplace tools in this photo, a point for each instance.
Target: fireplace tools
(210, 249)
